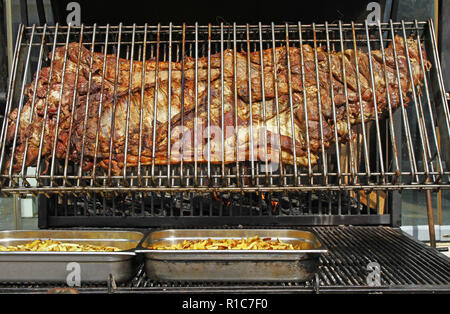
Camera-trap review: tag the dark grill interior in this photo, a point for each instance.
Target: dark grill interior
(405, 265)
(192, 204)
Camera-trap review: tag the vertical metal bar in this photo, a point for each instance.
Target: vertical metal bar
(33, 101)
(430, 110)
(11, 85)
(155, 105)
(388, 97)
(277, 106)
(336, 135)
(305, 105)
(115, 100)
(353, 166)
(183, 50)
(196, 108)
(319, 105)
(291, 105)
(141, 106)
(236, 124)
(17, 212)
(363, 125)
(127, 125)
(430, 217)
(100, 105)
(339, 202)
(208, 91)
(439, 74)
(263, 104)
(249, 73)
(427, 141)
(58, 115)
(377, 122)
(38, 163)
(419, 121)
(412, 159)
(21, 100)
(357, 143)
(222, 133)
(169, 101)
(74, 98)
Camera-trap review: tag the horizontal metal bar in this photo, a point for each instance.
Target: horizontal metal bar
(274, 175)
(129, 28)
(305, 188)
(138, 222)
(213, 41)
(248, 289)
(165, 41)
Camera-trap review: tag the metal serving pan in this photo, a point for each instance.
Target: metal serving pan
(231, 265)
(82, 267)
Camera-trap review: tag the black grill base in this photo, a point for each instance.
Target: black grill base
(406, 266)
(249, 209)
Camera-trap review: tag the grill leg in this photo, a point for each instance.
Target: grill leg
(430, 219)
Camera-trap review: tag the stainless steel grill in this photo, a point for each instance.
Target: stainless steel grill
(371, 161)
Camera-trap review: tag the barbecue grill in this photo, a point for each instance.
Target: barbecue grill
(349, 198)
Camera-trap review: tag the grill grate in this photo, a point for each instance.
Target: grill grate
(405, 266)
(191, 209)
(371, 162)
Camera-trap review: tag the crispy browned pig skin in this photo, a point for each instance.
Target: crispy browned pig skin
(85, 130)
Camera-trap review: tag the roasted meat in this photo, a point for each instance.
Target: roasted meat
(94, 115)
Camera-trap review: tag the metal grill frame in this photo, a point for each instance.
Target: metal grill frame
(428, 177)
(381, 171)
(407, 266)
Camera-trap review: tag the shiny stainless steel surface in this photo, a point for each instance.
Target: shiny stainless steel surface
(369, 167)
(231, 265)
(19, 266)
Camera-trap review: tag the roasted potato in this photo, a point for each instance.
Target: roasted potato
(253, 243)
(57, 246)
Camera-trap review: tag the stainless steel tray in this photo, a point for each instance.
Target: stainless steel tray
(231, 265)
(84, 267)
